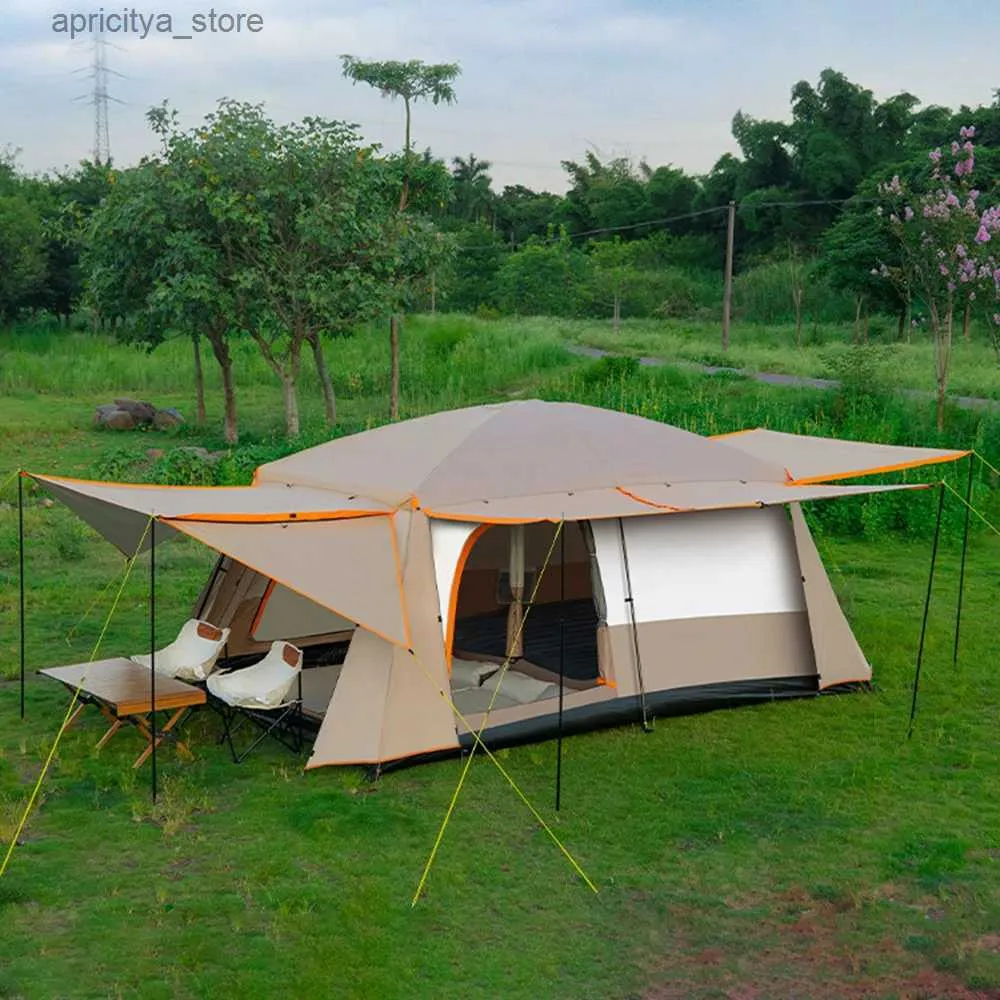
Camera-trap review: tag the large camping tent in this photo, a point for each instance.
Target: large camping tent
(416, 549)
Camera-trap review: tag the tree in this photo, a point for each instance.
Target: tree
(613, 265)
(544, 278)
(303, 224)
(22, 255)
(471, 187)
(410, 82)
(946, 235)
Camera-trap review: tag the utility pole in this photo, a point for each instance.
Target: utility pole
(727, 295)
(99, 98)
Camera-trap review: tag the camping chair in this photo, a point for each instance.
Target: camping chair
(260, 693)
(192, 655)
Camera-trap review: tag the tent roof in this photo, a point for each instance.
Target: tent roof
(819, 460)
(516, 449)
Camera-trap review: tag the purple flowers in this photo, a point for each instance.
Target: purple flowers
(935, 155)
(967, 132)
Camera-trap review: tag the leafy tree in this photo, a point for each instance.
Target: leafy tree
(471, 279)
(613, 263)
(521, 213)
(946, 234)
(473, 195)
(544, 278)
(410, 82)
(22, 255)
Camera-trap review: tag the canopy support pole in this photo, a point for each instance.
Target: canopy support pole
(927, 608)
(630, 601)
(965, 550)
(20, 574)
(152, 645)
(515, 613)
(562, 656)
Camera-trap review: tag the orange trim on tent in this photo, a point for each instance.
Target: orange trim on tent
(268, 591)
(732, 434)
(456, 583)
(937, 460)
(399, 581)
(295, 590)
(638, 499)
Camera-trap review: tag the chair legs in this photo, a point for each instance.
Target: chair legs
(283, 725)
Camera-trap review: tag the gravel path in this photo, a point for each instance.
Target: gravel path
(774, 378)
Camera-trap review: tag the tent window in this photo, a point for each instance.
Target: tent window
(483, 612)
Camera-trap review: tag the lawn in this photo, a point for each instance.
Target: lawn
(804, 849)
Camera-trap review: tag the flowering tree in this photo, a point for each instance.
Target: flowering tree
(947, 241)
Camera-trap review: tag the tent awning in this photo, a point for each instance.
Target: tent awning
(645, 498)
(350, 566)
(121, 511)
(809, 459)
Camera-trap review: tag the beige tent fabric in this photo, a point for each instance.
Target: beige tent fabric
(816, 459)
(388, 703)
(120, 511)
(643, 499)
(348, 566)
(520, 448)
(839, 658)
(351, 731)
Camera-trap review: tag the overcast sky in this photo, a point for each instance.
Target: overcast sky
(542, 80)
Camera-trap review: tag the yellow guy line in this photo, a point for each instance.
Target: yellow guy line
(479, 743)
(9, 480)
(989, 524)
(992, 468)
(72, 705)
(489, 753)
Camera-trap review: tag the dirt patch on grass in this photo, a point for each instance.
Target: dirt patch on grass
(806, 949)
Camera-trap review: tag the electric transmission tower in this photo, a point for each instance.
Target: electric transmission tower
(99, 98)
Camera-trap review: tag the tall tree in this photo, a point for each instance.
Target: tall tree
(472, 188)
(410, 82)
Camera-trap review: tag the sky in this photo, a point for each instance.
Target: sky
(542, 80)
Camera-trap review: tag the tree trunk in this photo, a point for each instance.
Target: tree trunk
(965, 321)
(867, 318)
(291, 398)
(797, 296)
(942, 329)
(221, 351)
(901, 324)
(199, 381)
(404, 196)
(857, 318)
(394, 367)
(329, 396)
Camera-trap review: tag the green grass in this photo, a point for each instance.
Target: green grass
(797, 849)
(758, 348)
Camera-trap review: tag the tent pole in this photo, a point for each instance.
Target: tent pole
(152, 644)
(965, 550)
(629, 600)
(20, 573)
(927, 608)
(562, 654)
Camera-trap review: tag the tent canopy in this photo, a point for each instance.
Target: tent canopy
(810, 459)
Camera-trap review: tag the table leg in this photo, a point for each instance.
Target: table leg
(143, 726)
(116, 724)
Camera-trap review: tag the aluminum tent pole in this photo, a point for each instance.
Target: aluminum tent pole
(630, 601)
(20, 574)
(152, 645)
(562, 655)
(965, 550)
(927, 608)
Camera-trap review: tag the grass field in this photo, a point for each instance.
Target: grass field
(805, 849)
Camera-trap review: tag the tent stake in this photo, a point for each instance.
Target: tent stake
(562, 655)
(965, 549)
(20, 573)
(630, 601)
(152, 644)
(927, 608)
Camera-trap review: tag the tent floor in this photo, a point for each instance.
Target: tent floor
(487, 635)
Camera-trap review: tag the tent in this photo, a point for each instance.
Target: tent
(633, 568)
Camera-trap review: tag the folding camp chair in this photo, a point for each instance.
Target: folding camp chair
(261, 694)
(192, 655)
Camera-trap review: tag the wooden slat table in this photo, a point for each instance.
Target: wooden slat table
(122, 690)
